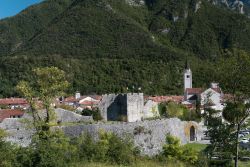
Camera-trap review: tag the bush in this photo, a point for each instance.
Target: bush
(53, 150)
(95, 113)
(7, 151)
(174, 110)
(87, 112)
(190, 115)
(109, 148)
(173, 150)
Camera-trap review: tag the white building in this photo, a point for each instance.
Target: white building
(187, 77)
(212, 97)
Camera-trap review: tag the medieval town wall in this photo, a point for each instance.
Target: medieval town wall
(148, 135)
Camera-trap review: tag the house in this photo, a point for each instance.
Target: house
(10, 113)
(213, 97)
(14, 103)
(82, 101)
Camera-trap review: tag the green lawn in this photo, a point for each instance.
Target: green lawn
(139, 163)
(196, 146)
(244, 164)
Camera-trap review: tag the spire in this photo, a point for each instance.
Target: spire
(186, 64)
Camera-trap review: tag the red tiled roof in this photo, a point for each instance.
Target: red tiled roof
(7, 113)
(160, 99)
(194, 90)
(88, 103)
(13, 101)
(228, 97)
(70, 99)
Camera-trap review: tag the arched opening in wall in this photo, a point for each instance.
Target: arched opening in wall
(192, 133)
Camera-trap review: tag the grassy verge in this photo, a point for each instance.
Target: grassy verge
(139, 163)
(244, 164)
(196, 146)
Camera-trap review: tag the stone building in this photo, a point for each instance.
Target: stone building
(122, 107)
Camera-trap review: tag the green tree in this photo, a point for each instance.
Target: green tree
(49, 83)
(7, 151)
(237, 108)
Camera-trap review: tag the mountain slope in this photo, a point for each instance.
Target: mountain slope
(115, 29)
(16, 30)
(108, 45)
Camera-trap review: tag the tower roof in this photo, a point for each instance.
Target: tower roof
(186, 64)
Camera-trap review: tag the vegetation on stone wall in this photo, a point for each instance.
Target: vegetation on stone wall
(174, 110)
(95, 113)
(57, 150)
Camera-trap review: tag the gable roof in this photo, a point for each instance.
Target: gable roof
(194, 90)
(13, 101)
(7, 113)
(160, 99)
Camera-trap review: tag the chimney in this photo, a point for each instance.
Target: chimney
(77, 95)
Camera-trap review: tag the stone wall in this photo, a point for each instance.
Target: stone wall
(115, 106)
(149, 136)
(151, 109)
(135, 103)
(69, 116)
(20, 132)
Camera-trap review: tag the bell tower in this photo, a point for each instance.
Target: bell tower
(187, 77)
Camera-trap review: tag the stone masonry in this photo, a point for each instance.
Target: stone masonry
(115, 106)
(148, 135)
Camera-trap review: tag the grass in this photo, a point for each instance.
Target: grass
(139, 163)
(244, 164)
(196, 146)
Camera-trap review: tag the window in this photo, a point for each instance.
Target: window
(188, 76)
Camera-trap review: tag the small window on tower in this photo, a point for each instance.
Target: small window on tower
(188, 76)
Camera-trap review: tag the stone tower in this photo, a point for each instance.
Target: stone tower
(187, 77)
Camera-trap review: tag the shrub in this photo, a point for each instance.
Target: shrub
(172, 110)
(173, 150)
(87, 112)
(190, 115)
(95, 113)
(109, 148)
(54, 150)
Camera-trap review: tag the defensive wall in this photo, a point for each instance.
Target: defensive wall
(148, 135)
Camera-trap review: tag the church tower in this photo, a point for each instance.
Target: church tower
(187, 77)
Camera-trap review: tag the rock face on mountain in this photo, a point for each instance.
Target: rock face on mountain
(240, 6)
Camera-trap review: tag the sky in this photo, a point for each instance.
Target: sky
(12, 7)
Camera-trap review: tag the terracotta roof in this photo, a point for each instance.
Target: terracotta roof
(194, 90)
(228, 97)
(160, 99)
(13, 101)
(7, 113)
(88, 103)
(70, 99)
